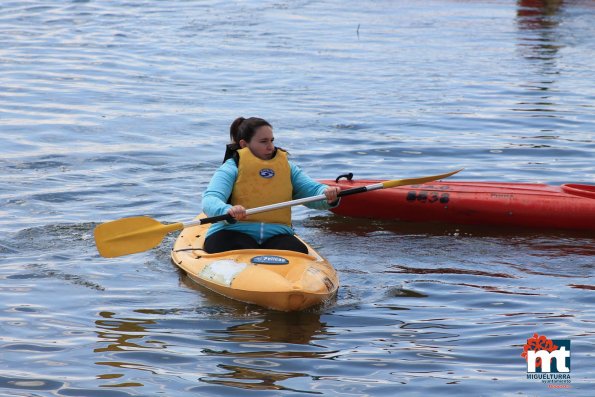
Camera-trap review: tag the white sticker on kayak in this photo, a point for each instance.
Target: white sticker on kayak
(269, 260)
(223, 271)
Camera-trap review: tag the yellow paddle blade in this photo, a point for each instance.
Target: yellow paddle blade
(416, 181)
(130, 235)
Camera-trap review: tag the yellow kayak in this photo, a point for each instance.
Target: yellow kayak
(276, 279)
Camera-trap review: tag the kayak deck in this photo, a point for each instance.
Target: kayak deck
(276, 279)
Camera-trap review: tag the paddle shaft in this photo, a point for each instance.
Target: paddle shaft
(355, 190)
(136, 234)
(271, 207)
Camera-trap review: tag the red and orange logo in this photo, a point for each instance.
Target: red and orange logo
(536, 344)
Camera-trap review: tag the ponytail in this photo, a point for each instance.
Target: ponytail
(234, 130)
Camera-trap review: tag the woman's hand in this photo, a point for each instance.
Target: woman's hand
(331, 193)
(238, 212)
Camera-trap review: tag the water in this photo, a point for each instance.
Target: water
(117, 108)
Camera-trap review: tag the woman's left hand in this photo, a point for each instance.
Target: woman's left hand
(331, 194)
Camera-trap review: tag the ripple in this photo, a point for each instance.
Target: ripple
(442, 270)
(52, 236)
(29, 383)
(150, 359)
(31, 348)
(74, 392)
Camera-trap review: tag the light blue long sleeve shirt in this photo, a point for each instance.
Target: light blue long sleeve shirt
(214, 201)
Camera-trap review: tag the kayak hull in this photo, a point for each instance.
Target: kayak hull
(276, 279)
(527, 205)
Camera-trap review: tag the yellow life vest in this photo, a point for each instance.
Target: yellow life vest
(263, 182)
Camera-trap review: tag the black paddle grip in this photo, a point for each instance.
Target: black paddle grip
(218, 218)
(351, 191)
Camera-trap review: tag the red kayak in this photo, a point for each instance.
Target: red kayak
(531, 205)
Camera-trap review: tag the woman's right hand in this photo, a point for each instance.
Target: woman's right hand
(238, 212)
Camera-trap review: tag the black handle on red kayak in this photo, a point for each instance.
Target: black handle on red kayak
(348, 176)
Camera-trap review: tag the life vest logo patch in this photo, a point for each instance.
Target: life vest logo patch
(267, 173)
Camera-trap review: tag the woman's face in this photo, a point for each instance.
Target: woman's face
(261, 145)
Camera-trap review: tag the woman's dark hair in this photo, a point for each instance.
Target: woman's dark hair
(245, 129)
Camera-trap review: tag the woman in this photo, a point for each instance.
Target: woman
(257, 174)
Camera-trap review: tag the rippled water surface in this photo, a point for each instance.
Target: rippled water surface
(118, 108)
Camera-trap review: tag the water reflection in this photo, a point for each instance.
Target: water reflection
(251, 350)
(123, 334)
(340, 226)
(295, 328)
(253, 379)
(537, 14)
(119, 335)
(256, 352)
(539, 43)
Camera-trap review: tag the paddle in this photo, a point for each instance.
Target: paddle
(136, 234)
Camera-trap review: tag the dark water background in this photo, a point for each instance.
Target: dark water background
(117, 108)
